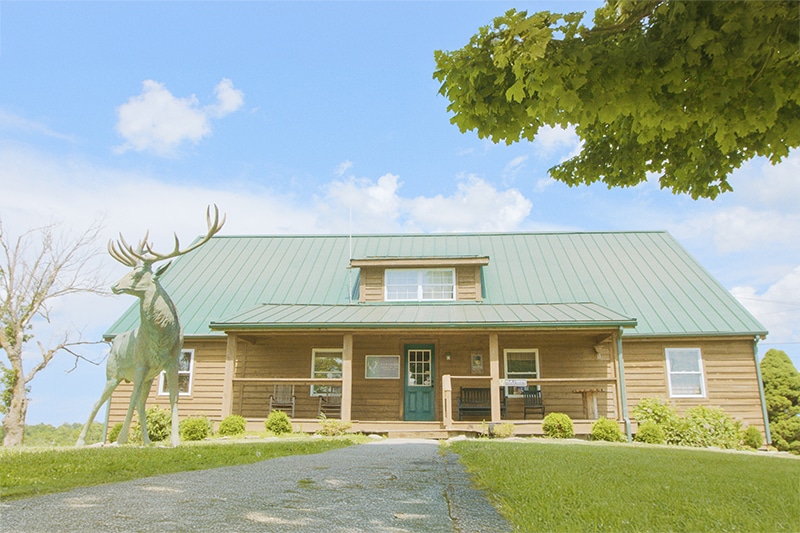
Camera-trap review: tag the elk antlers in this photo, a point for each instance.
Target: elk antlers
(130, 256)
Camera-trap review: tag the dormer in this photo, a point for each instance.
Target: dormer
(420, 279)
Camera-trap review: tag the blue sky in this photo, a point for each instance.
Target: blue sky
(292, 115)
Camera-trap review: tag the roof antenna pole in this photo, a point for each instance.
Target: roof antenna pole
(350, 260)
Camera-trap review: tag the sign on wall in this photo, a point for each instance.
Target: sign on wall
(382, 367)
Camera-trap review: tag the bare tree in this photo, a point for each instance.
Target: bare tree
(39, 266)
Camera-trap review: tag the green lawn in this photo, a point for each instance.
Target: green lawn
(35, 471)
(546, 486)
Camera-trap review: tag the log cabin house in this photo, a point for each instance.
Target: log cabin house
(438, 334)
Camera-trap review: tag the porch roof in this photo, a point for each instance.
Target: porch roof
(433, 316)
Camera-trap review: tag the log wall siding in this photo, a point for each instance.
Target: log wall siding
(207, 384)
(564, 356)
(468, 283)
(728, 370)
(729, 373)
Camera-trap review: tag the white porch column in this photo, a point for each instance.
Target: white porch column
(347, 376)
(494, 373)
(227, 384)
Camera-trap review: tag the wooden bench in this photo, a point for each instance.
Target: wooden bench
(477, 402)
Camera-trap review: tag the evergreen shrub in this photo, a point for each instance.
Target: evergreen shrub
(649, 433)
(232, 425)
(752, 438)
(159, 425)
(195, 428)
(558, 426)
(113, 433)
(607, 430)
(278, 423)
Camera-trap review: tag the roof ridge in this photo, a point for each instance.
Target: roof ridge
(442, 234)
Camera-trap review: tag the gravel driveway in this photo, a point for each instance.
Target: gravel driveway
(386, 486)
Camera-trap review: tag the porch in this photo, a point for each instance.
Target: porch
(576, 371)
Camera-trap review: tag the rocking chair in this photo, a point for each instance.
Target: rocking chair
(282, 398)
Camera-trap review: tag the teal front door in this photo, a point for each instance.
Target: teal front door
(420, 380)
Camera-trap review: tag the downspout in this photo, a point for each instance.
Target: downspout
(622, 393)
(761, 392)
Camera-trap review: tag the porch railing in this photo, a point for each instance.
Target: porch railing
(447, 389)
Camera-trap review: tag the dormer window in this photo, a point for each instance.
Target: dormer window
(420, 279)
(420, 284)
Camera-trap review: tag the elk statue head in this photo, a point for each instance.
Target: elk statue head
(142, 354)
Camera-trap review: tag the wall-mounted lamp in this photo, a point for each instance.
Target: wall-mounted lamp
(447, 355)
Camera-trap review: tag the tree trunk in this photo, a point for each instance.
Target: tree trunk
(14, 419)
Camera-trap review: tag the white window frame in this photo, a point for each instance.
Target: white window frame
(516, 392)
(162, 379)
(420, 272)
(699, 372)
(326, 352)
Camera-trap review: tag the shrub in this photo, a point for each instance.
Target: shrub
(786, 435)
(709, 426)
(232, 425)
(502, 431)
(330, 427)
(278, 423)
(752, 438)
(650, 433)
(113, 433)
(558, 426)
(655, 410)
(159, 425)
(195, 428)
(608, 430)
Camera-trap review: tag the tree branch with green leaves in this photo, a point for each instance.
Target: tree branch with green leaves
(683, 91)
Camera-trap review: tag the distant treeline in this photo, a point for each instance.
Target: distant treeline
(63, 435)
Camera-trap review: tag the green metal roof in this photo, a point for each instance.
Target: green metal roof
(645, 276)
(398, 316)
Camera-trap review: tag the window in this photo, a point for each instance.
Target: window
(685, 373)
(326, 363)
(411, 284)
(521, 364)
(185, 368)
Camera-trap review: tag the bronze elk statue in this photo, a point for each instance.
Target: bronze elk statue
(139, 356)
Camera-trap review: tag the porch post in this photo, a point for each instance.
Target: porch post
(227, 383)
(621, 389)
(347, 376)
(494, 373)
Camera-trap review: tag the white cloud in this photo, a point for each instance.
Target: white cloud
(743, 228)
(513, 168)
(774, 186)
(778, 307)
(549, 140)
(157, 121)
(343, 167)
(228, 99)
(475, 206)
(12, 122)
(376, 202)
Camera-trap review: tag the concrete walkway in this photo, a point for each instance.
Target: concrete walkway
(386, 486)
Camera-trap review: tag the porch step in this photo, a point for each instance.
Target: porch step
(417, 434)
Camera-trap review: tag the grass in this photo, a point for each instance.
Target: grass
(541, 486)
(35, 471)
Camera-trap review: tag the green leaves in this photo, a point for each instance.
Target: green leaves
(687, 90)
